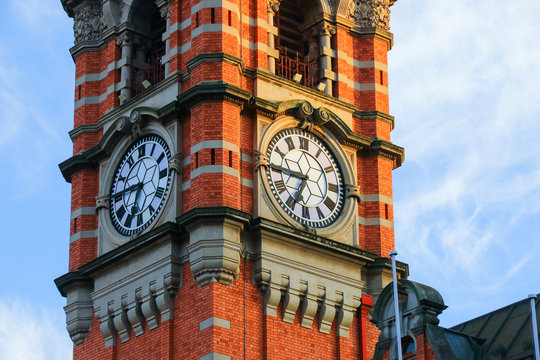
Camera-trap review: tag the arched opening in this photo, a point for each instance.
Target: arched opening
(148, 46)
(408, 346)
(298, 41)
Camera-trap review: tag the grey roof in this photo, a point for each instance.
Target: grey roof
(507, 331)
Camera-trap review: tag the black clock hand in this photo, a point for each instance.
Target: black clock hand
(288, 171)
(299, 196)
(135, 206)
(131, 188)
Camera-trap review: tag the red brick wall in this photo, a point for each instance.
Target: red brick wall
(266, 337)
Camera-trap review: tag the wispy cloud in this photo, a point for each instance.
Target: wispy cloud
(30, 333)
(466, 96)
(34, 113)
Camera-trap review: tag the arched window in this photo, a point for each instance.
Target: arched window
(148, 46)
(298, 23)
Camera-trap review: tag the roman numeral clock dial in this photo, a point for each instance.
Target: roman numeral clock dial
(305, 178)
(140, 185)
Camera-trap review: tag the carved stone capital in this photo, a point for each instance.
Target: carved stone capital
(273, 6)
(88, 25)
(370, 13)
(327, 29)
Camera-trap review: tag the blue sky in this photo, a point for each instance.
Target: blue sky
(464, 88)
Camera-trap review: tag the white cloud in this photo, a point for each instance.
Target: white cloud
(465, 93)
(30, 333)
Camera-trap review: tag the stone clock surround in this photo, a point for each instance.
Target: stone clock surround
(141, 122)
(343, 229)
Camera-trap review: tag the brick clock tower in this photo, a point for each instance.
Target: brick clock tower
(231, 178)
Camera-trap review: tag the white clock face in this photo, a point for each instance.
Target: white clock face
(140, 185)
(305, 178)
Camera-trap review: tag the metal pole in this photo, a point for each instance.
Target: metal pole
(534, 326)
(393, 254)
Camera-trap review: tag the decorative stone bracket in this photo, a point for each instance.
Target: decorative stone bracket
(328, 298)
(214, 249)
(308, 280)
(141, 289)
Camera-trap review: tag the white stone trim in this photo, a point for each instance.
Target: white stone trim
(377, 198)
(83, 234)
(215, 321)
(205, 4)
(214, 144)
(373, 221)
(208, 28)
(215, 356)
(85, 210)
(214, 169)
(96, 76)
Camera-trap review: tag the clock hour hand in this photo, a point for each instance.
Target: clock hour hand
(131, 188)
(288, 171)
(298, 197)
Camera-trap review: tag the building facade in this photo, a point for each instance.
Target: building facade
(231, 179)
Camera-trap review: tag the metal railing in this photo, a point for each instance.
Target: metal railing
(145, 76)
(291, 63)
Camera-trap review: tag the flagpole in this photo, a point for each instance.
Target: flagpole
(534, 326)
(393, 254)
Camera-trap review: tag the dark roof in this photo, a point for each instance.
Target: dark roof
(507, 331)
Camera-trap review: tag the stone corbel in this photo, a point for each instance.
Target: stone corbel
(120, 319)
(175, 163)
(272, 296)
(134, 313)
(260, 160)
(291, 299)
(106, 325)
(309, 307)
(78, 311)
(327, 310)
(352, 191)
(346, 313)
(150, 311)
(214, 250)
(102, 202)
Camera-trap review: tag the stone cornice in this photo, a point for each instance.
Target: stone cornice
(213, 212)
(213, 91)
(215, 57)
(70, 278)
(261, 224)
(375, 32)
(384, 148)
(375, 115)
(120, 252)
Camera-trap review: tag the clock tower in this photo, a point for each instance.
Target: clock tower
(231, 178)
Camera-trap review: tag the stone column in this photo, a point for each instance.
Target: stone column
(164, 8)
(273, 7)
(325, 61)
(125, 67)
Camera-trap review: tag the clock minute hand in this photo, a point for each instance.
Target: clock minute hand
(131, 188)
(288, 171)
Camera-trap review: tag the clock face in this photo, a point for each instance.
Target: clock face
(305, 178)
(140, 185)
